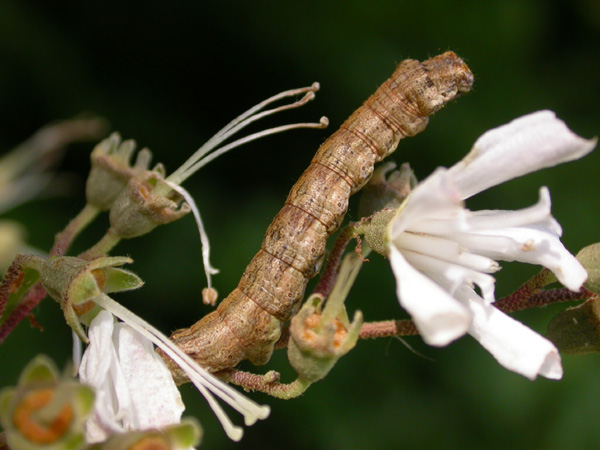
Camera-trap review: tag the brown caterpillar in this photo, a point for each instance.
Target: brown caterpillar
(248, 322)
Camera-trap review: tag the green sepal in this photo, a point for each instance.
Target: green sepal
(75, 282)
(41, 374)
(179, 436)
(118, 280)
(589, 257)
(313, 352)
(39, 370)
(186, 434)
(576, 330)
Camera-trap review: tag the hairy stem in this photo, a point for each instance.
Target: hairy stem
(102, 247)
(268, 383)
(63, 240)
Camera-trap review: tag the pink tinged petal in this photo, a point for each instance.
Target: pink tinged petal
(156, 401)
(439, 317)
(526, 144)
(433, 198)
(94, 365)
(514, 346)
(99, 369)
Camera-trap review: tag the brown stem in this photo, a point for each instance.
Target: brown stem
(330, 273)
(284, 338)
(387, 328)
(33, 297)
(63, 240)
(518, 302)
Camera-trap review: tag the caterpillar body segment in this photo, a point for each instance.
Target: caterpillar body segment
(248, 322)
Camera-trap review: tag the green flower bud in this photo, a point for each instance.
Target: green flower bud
(138, 210)
(112, 169)
(315, 344)
(181, 436)
(74, 283)
(44, 411)
(589, 257)
(577, 330)
(381, 193)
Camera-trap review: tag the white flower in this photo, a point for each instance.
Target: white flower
(439, 250)
(134, 388)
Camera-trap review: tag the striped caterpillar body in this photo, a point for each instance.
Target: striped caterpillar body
(248, 322)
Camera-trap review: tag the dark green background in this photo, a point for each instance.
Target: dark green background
(170, 74)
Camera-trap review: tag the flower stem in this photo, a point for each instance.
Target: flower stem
(102, 247)
(35, 295)
(63, 240)
(268, 383)
(329, 277)
(517, 302)
(388, 328)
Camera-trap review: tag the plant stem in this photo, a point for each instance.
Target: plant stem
(63, 240)
(268, 383)
(102, 247)
(329, 277)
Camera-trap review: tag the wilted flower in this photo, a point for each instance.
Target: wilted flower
(439, 250)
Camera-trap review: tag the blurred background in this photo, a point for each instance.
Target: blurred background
(170, 74)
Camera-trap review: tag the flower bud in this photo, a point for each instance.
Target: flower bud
(112, 169)
(381, 193)
(589, 257)
(181, 436)
(138, 210)
(315, 344)
(577, 330)
(74, 283)
(44, 411)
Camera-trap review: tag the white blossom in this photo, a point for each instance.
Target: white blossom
(134, 388)
(441, 252)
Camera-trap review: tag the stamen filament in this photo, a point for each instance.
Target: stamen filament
(241, 122)
(202, 379)
(208, 269)
(323, 123)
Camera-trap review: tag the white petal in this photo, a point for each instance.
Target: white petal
(538, 214)
(451, 276)
(535, 245)
(94, 364)
(514, 346)
(433, 198)
(439, 317)
(526, 144)
(445, 249)
(156, 399)
(99, 368)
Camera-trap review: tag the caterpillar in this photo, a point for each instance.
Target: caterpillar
(247, 324)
